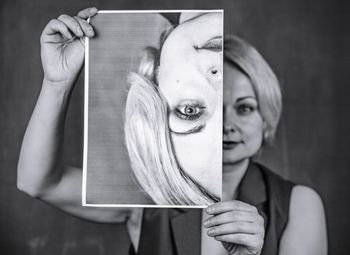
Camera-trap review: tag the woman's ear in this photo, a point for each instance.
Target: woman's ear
(156, 73)
(266, 132)
(148, 60)
(264, 125)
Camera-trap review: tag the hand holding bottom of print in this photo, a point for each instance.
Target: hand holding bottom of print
(238, 225)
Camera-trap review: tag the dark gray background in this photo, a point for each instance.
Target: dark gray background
(305, 41)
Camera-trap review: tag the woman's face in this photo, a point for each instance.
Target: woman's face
(190, 79)
(243, 125)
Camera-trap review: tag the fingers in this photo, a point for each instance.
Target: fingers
(68, 26)
(72, 24)
(87, 13)
(55, 26)
(231, 205)
(236, 227)
(236, 223)
(232, 216)
(255, 242)
(78, 26)
(85, 26)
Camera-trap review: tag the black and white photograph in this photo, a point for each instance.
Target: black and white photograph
(174, 127)
(156, 122)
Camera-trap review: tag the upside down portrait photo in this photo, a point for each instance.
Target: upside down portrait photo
(153, 109)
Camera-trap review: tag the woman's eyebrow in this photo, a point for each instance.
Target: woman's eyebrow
(194, 130)
(245, 97)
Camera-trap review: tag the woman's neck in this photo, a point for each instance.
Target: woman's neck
(232, 175)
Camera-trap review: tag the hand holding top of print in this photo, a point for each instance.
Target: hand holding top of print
(238, 225)
(62, 46)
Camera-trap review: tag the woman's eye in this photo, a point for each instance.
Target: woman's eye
(189, 112)
(245, 109)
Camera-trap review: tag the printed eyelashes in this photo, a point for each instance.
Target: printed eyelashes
(214, 44)
(189, 112)
(194, 130)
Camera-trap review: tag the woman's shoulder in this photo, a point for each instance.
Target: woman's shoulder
(306, 203)
(305, 194)
(306, 231)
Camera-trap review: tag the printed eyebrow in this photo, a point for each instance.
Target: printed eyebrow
(194, 130)
(212, 44)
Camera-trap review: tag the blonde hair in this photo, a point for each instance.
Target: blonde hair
(149, 144)
(265, 83)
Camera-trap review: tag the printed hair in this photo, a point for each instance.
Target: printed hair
(150, 148)
(148, 140)
(264, 81)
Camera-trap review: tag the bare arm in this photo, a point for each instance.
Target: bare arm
(306, 232)
(41, 172)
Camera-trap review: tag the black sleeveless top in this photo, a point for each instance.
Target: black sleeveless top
(178, 231)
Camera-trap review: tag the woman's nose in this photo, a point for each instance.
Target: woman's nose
(228, 125)
(227, 129)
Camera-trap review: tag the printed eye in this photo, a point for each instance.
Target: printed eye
(245, 109)
(214, 44)
(189, 112)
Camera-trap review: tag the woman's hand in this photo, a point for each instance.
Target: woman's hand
(62, 46)
(237, 225)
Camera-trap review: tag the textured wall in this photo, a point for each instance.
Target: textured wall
(306, 43)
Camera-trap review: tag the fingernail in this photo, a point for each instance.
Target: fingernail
(211, 232)
(93, 10)
(206, 223)
(210, 210)
(79, 32)
(90, 31)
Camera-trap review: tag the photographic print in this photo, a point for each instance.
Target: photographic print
(153, 109)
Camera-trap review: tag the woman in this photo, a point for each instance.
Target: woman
(294, 215)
